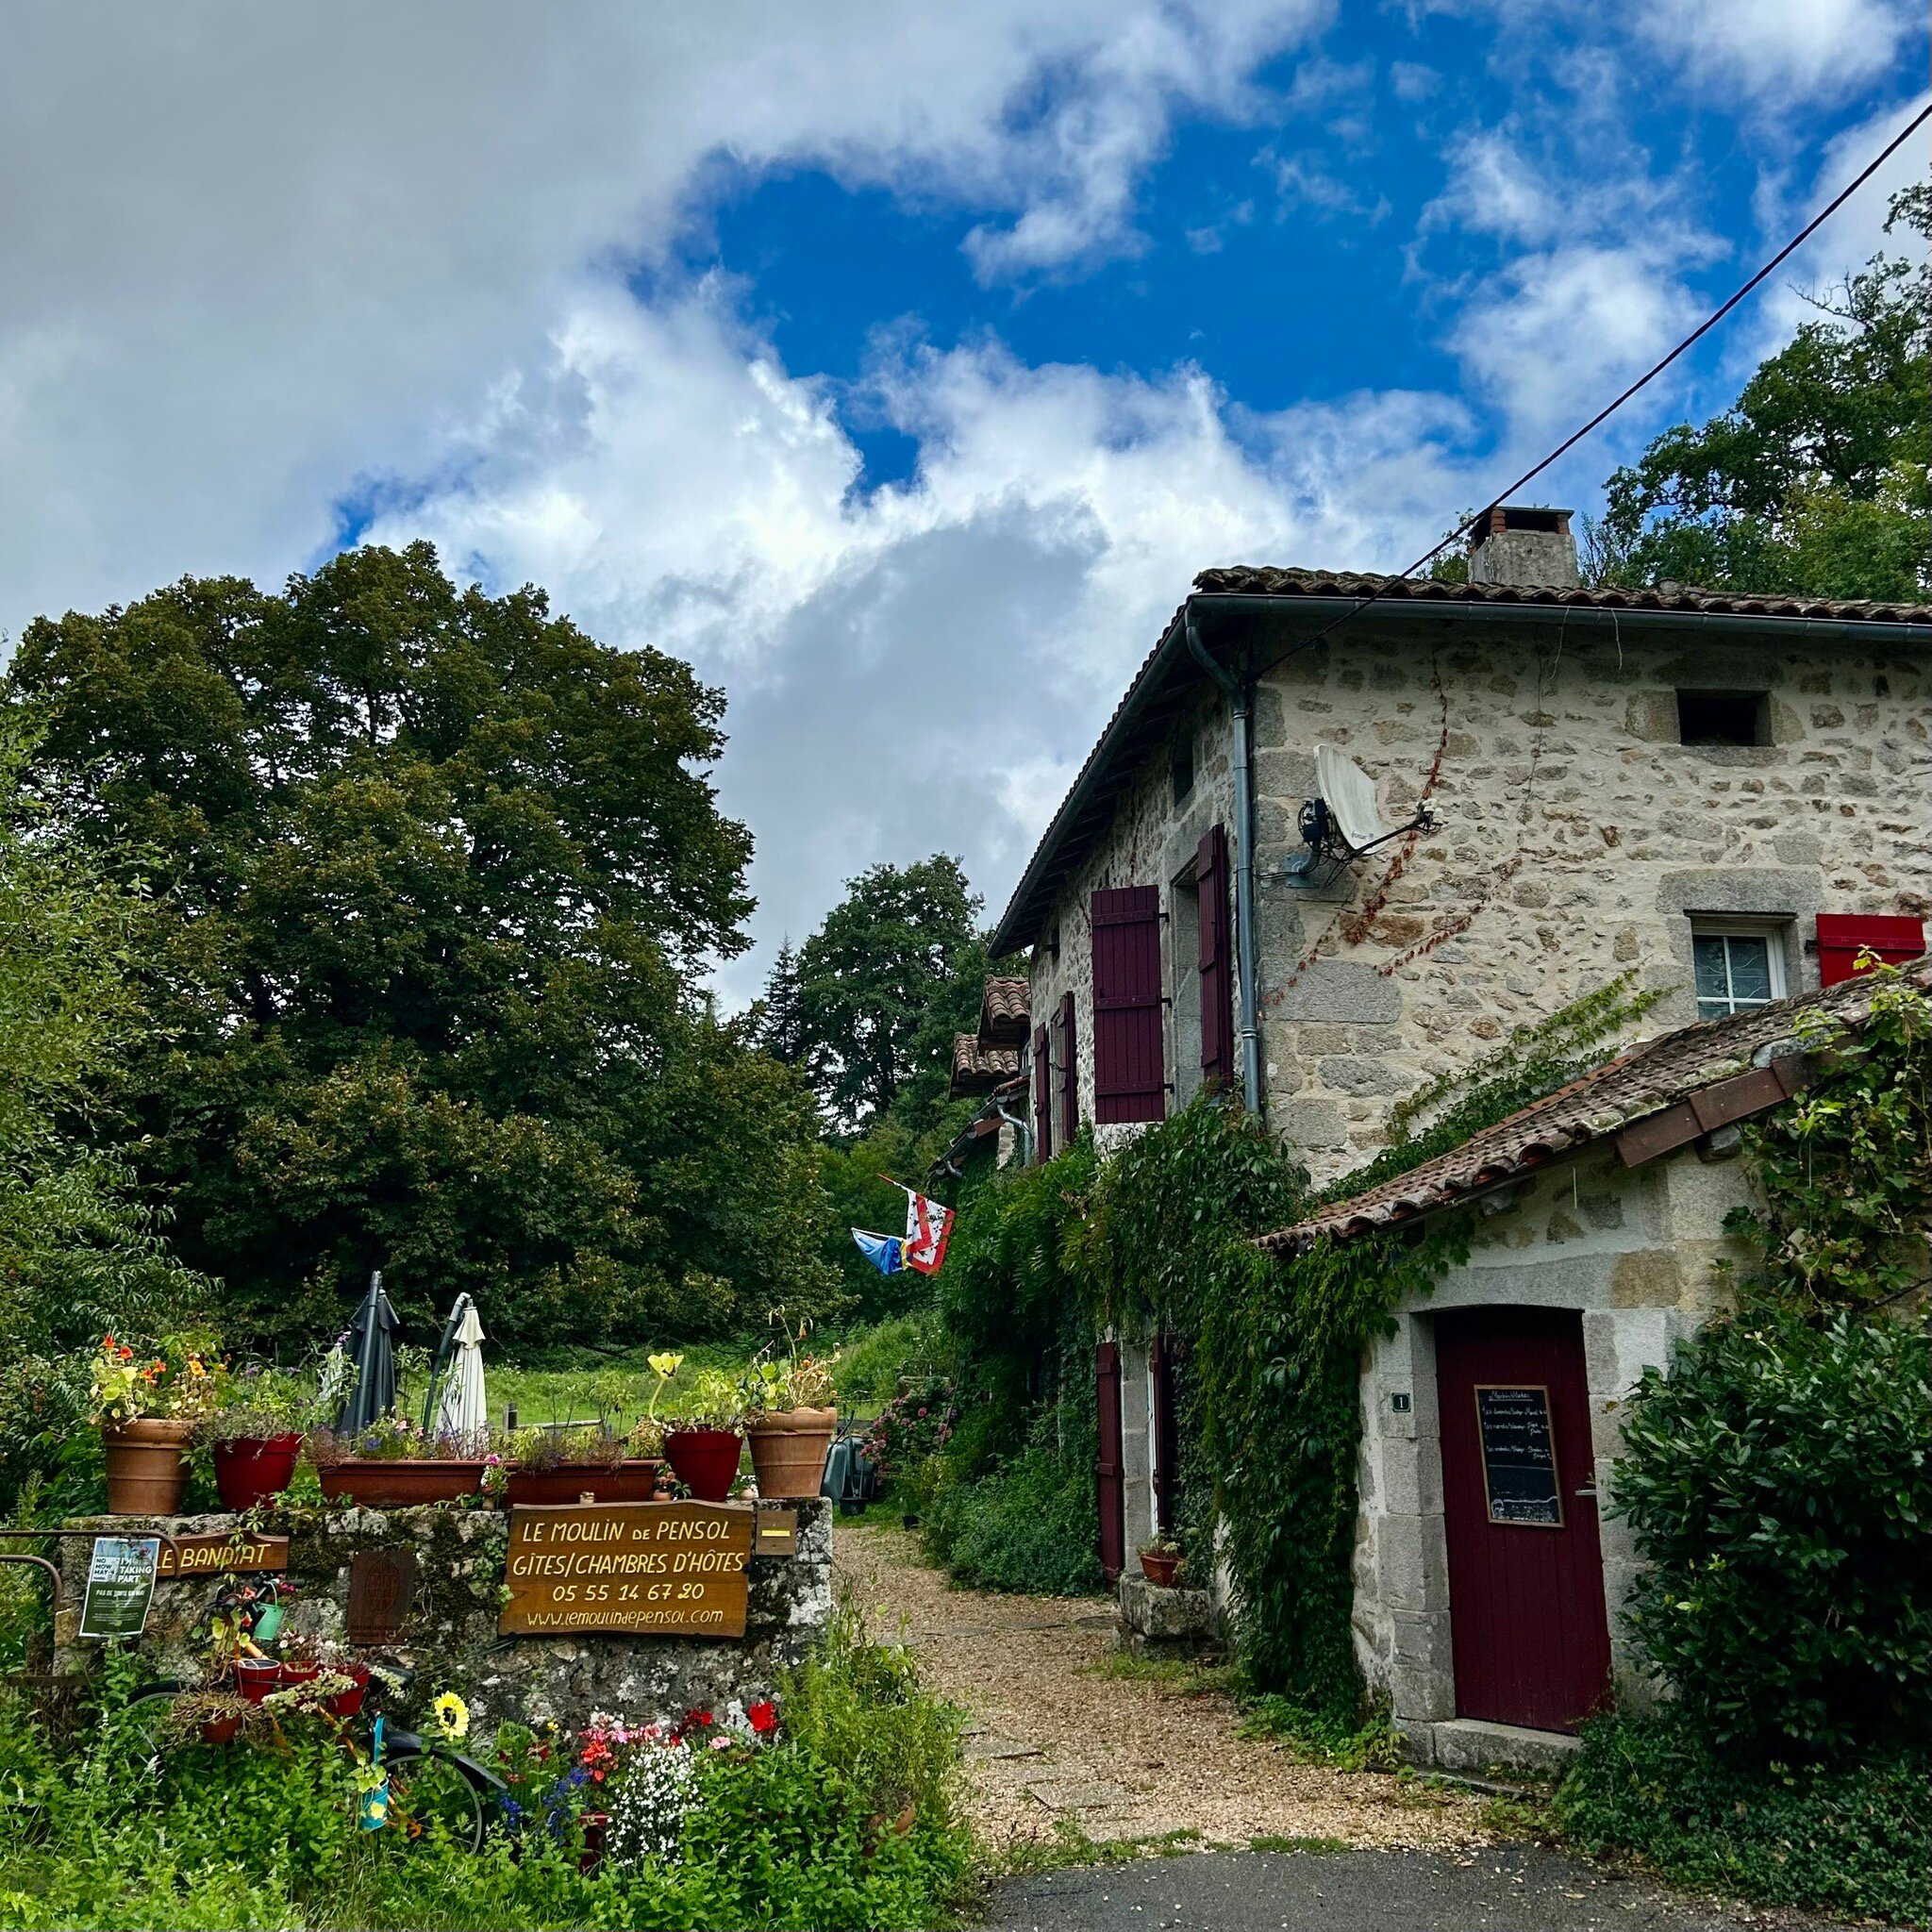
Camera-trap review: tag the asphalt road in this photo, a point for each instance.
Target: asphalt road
(1512, 1887)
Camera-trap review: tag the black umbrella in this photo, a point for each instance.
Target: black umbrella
(371, 1347)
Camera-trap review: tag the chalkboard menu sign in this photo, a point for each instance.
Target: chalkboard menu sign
(1518, 1456)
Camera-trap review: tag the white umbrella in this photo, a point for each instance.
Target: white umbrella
(463, 1412)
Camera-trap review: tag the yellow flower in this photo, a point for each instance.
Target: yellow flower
(452, 1715)
(664, 1364)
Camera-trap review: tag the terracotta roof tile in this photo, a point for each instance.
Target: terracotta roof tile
(1648, 1078)
(1005, 1009)
(979, 1069)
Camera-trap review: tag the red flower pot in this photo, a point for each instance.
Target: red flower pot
(595, 1826)
(220, 1730)
(253, 1468)
(256, 1676)
(294, 1675)
(705, 1460)
(1159, 1569)
(347, 1703)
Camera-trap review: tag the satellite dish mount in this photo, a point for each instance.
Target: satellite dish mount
(1342, 823)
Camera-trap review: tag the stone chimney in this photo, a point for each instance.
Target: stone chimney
(1516, 545)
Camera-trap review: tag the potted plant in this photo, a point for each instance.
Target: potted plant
(146, 1407)
(702, 1444)
(553, 1465)
(254, 1431)
(1159, 1560)
(790, 1416)
(393, 1464)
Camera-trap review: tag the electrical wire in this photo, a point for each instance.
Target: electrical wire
(1650, 374)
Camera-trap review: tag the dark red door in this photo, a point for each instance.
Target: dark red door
(1531, 1640)
(1108, 1473)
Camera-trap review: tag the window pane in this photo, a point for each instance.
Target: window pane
(1713, 1009)
(1750, 971)
(1713, 983)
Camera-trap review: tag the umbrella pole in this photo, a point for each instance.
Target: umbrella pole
(445, 1348)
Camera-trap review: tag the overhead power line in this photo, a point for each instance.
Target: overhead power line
(1649, 376)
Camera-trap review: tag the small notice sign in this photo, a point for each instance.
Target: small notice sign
(670, 1569)
(1518, 1456)
(120, 1586)
(217, 1556)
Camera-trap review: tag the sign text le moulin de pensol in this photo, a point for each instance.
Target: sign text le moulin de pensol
(668, 1569)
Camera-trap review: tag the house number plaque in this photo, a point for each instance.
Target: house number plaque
(1518, 1456)
(668, 1569)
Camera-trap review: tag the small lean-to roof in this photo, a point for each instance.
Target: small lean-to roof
(1167, 678)
(1742, 1064)
(979, 1068)
(1006, 1005)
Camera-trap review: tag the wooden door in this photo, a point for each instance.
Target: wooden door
(1529, 1633)
(1109, 1471)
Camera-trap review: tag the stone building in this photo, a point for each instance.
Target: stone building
(1344, 833)
(1488, 1583)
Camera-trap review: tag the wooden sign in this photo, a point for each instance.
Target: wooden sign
(217, 1555)
(670, 1569)
(1518, 1456)
(381, 1582)
(777, 1531)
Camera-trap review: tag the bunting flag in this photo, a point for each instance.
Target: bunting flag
(886, 1252)
(928, 1227)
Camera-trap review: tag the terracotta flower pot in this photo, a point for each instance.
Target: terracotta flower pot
(705, 1460)
(145, 1474)
(1159, 1567)
(347, 1703)
(400, 1485)
(256, 1676)
(789, 1450)
(630, 1481)
(220, 1730)
(253, 1468)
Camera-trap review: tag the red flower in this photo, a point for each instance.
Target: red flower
(699, 1717)
(763, 1717)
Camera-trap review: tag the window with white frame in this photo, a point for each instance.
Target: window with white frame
(1737, 967)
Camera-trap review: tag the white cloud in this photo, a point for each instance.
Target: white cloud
(1780, 51)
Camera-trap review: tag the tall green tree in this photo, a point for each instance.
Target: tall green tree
(902, 940)
(1815, 480)
(433, 873)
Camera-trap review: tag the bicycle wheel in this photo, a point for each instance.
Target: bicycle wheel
(432, 1798)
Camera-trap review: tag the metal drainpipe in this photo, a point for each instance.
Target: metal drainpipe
(1020, 1127)
(1238, 694)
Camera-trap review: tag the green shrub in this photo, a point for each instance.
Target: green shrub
(1028, 1526)
(1854, 1837)
(874, 1361)
(1780, 1487)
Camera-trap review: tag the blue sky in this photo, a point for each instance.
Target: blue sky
(898, 365)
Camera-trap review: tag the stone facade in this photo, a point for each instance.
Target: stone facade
(1576, 839)
(449, 1639)
(1633, 1250)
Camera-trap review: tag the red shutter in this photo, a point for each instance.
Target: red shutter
(1843, 936)
(1070, 1074)
(1161, 1360)
(1217, 975)
(1129, 1059)
(1109, 1473)
(1042, 1092)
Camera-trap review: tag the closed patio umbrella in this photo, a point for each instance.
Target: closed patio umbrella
(463, 1409)
(373, 1350)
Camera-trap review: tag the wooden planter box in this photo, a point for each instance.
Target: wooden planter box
(633, 1480)
(399, 1485)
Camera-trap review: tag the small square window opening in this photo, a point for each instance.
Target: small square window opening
(1736, 972)
(1724, 717)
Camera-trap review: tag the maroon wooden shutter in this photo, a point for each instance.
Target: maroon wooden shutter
(1130, 1059)
(1217, 975)
(1109, 1473)
(1843, 936)
(1161, 1359)
(1042, 1092)
(1070, 1074)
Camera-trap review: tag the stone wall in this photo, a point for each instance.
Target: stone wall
(449, 1639)
(1575, 837)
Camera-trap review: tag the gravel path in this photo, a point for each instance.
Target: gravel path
(1052, 1740)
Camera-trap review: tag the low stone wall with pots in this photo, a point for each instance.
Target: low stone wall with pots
(448, 1638)
(1154, 1618)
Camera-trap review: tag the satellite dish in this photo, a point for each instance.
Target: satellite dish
(1350, 794)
